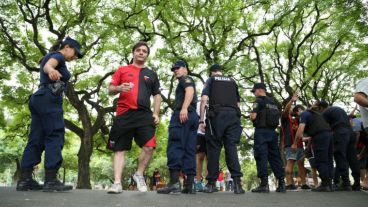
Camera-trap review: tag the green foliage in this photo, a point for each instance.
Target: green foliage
(312, 46)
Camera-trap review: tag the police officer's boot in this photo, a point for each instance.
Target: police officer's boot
(173, 186)
(26, 181)
(189, 187)
(356, 186)
(345, 186)
(53, 184)
(281, 186)
(210, 187)
(238, 186)
(324, 187)
(263, 187)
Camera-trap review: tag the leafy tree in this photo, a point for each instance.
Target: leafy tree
(306, 45)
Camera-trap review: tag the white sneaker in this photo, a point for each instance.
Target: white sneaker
(115, 189)
(141, 184)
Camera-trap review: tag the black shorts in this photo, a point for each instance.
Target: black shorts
(137, 124)
(201, 144)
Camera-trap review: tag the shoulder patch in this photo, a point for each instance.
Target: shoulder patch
(255, 105)
(188, 80)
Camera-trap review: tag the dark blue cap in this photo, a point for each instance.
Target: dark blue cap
(258, 86)
(322, 103)
(178, 64)
(215, 67)
(74, 44)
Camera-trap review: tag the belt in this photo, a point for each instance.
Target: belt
(56, 88)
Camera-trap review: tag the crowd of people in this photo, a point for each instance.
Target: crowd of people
(199, 128)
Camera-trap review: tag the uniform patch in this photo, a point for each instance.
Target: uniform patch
(188, 80)
(255, 105)
(146, 78)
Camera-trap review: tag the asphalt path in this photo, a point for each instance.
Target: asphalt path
(9, 197)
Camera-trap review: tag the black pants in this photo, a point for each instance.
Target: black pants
(351, 155)
(226, 131)
(323, 152)
(341, 141)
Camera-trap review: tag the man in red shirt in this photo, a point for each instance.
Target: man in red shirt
(135, 85)
(294, 151)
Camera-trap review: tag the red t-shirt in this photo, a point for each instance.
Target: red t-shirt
(145, 84)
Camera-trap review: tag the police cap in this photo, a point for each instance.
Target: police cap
(215, 67)
(258, 86)
(178, 64)
(74, 44)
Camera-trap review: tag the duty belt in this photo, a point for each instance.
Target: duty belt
(56, 88)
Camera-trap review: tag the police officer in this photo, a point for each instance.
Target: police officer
(344, 146)
(314, 125)
(181, 148)
(47, 126)
(222, 126)
(265, 117)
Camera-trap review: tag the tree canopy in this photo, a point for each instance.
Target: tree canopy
(316, 47)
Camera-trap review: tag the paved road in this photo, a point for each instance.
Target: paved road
(98, 198)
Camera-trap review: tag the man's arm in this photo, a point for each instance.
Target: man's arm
(204, 100)
(298, 136)
(189, 92)
(113, 90)
(255, 109)
(286, 112)
(156, 108)
(361, 99)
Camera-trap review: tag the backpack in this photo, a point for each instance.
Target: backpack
(273, 114)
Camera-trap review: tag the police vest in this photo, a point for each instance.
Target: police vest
(223, 92)
(317, 124)
(269, 116)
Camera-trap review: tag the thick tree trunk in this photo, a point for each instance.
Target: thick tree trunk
(86, 134)
(16, 174)
(84, 158)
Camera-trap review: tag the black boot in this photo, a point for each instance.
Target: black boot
(281, 186)
(238, 186)
(345, 186)
(174, 184)
(324, 187)
(173, 188)
(210, 187)
(53, 184)
(26, 181)
(356, 186)
(263, 187)
(189, 187)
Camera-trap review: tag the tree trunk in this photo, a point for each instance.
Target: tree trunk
(84, 158)
(16, 174)
(64, 174)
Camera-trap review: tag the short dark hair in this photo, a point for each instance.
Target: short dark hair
(141, 43)
(297, 107)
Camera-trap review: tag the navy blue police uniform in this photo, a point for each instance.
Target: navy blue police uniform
(181, 148)
(47, 124)
(319, 131)
(344, 145)
(223, 127)
(266, 141)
